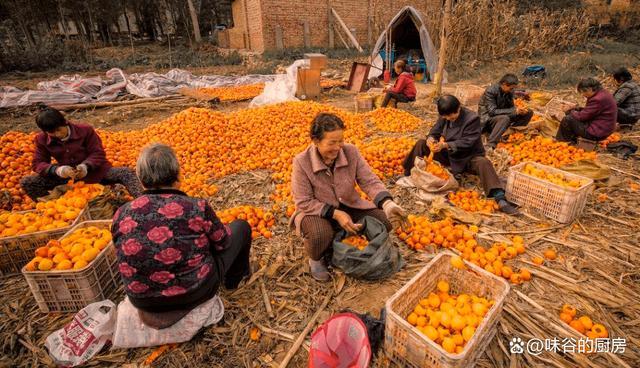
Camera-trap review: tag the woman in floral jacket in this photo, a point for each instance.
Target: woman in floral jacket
(172, 249)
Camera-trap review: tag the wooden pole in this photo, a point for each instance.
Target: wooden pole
(305, 34)
(332, 42)
(347, 31)
(443, 48)
(303, 335)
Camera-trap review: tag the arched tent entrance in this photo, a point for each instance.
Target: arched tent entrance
(409, 38)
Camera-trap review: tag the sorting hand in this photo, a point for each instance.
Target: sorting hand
(81, 171)
(396, 214)
(345, 221)
(65, 172)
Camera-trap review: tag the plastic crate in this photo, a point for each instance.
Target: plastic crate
(17, 251)
(72, 290)
(406, 346)
(559, 203)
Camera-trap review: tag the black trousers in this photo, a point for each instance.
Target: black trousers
(37, 186)
(497, 125)
(571, 128)
(399, 97)
(235, 259)
(626, 119)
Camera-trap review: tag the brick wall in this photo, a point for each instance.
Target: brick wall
(291, 15)
(240, 36)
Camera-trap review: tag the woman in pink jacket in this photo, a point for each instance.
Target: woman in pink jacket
(404, 90)
(323, 187)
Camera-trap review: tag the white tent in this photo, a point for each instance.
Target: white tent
(408, 31)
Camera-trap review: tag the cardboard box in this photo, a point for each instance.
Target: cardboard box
(316, 61)
(308, 83)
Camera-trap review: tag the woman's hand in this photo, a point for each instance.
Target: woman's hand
(346, 222)
(397, 215)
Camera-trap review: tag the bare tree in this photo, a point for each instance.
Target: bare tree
(194, 22)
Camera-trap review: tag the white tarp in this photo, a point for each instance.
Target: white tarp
(282, 89)
(68, 90)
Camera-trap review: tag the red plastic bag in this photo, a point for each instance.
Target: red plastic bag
(341, 342)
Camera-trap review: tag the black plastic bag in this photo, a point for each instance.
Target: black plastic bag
(622, 149)
(380, 259)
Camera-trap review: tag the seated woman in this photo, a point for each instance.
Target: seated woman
(462, 149)
(596, 121)
(404, 90)
(79, 154)
(627, 97)
(173, 251)
(323, 187)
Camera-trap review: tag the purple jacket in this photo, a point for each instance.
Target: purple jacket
(600, 112)
(83, 146)
(166, 244)
(317, 189)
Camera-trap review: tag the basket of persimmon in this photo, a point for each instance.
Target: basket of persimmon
(558, 194)
(445, 316)
(80, 268)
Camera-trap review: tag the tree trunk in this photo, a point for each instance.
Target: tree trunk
(63, 21)
(91, 26)
(443, 48)
(126, 20)
(194, 22)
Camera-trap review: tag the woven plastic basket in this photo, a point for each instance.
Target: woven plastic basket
(72, 290)
(17, 251)
(559, 203)
(407, 347)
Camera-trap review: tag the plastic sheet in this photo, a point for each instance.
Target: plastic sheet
(68, 90)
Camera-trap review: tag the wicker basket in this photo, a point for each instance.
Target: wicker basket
(559, 203)
(72, 290)
(17, 251)
(408, 347)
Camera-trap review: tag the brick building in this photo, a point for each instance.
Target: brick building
(260, 25)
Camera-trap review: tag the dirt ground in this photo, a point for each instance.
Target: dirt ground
(599, 254)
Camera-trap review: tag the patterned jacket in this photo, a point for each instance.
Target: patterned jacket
(166, 243)
(628, 98)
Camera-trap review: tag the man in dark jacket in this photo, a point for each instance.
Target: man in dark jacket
(79, 155)
(627, 97)
(462, 149)
(498, 112)
(596, 121)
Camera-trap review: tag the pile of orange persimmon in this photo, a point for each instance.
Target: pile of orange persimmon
(385, 155)
(50, 215)
(613, 138)
(545, 151)
(423, 233)
(230, 93)
(75, 251)
(583, 324)
(389, 119)
(211, 145)
(259, 219)
(461, 238)
(493, 259)
(469, 200)
(447, 319)
(16, 154)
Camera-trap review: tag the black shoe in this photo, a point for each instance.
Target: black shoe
(507, 207)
